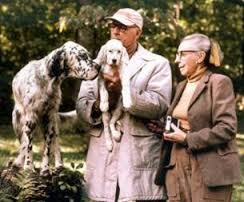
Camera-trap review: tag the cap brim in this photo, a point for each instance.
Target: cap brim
(121, 20)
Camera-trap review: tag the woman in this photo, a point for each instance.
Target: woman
(204, 162)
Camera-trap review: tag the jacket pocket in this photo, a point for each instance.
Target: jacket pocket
(97, 152)
(138, 128)
(172, 185)
(227, 148)
(145, 151)
(223, 152)
(220, 193)
(96, 132)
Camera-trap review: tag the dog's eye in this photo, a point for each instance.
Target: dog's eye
(110, 51)
(119, 51)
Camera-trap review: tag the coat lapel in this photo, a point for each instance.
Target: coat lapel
(201, 86)
(138, 60)
(179, 91)
(180, 88)
(134, 66)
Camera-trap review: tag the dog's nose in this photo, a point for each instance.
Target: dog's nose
(114, 61)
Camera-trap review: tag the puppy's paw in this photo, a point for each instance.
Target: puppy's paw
(109, 145)
(127, 103)
(104, 106)
(116, 135)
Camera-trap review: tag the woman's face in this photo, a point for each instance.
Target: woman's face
(189, 59)
(187, 62)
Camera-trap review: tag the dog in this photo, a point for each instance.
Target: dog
(37, 96)
(113, 55)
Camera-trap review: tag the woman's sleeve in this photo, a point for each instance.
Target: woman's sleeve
(223, 117)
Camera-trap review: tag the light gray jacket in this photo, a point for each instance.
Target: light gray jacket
(133, 162)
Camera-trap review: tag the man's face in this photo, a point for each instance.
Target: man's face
(127, 35)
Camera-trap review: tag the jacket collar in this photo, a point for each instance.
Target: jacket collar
(200, 87)
(138, 60)
(180, 88)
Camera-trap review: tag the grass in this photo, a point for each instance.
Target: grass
(74, 146)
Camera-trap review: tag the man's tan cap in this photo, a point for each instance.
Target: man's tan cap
(128, 17)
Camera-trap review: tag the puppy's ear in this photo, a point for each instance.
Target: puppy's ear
(125, 56)
(56, 63)
(102, 56)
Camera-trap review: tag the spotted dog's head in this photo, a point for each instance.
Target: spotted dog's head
(72, 60)
(112, 53)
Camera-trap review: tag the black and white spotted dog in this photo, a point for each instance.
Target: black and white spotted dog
(113, 55)
(37, 96)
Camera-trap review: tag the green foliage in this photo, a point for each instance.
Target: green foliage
(32, 187)
(68, 184)
(26, 186)
(31, 29)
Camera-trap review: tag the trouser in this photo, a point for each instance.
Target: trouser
(184, 182)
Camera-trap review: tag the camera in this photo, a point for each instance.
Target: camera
(169, 120)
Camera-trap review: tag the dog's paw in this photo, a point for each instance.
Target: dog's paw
(116, 135)
(58, 169)
(45, 172)
(29, 167)
(104, 106)
(109, 145)
(17, 163)
(16, 168)
(127, 103)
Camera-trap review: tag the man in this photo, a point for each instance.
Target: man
(127, 173)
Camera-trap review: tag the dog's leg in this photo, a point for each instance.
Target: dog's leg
(57, 152)
(26, 144)
(104, 105)
(49, 133)
(116, 134)
(107, 136)
(126, 94)
(18, 126)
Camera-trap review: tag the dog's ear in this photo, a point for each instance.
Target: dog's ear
(56, 63)
(102, 56)
(125, 56)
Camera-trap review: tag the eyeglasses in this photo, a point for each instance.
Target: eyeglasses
(122, 28)
(182, 54)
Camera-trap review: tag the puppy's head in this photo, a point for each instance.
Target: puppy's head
(112, 53)
(73, 60)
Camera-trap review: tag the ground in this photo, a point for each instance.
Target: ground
(74, 146)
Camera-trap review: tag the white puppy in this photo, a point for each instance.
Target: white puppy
(113, 55)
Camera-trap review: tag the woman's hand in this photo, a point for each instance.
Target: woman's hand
(176, 136)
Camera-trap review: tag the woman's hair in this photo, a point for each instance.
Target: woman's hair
(201, 42)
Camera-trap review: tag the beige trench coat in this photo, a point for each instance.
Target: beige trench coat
(133, 162)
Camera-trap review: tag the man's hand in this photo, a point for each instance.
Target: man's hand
(113, 85)
(112, 82)
(155, 126)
